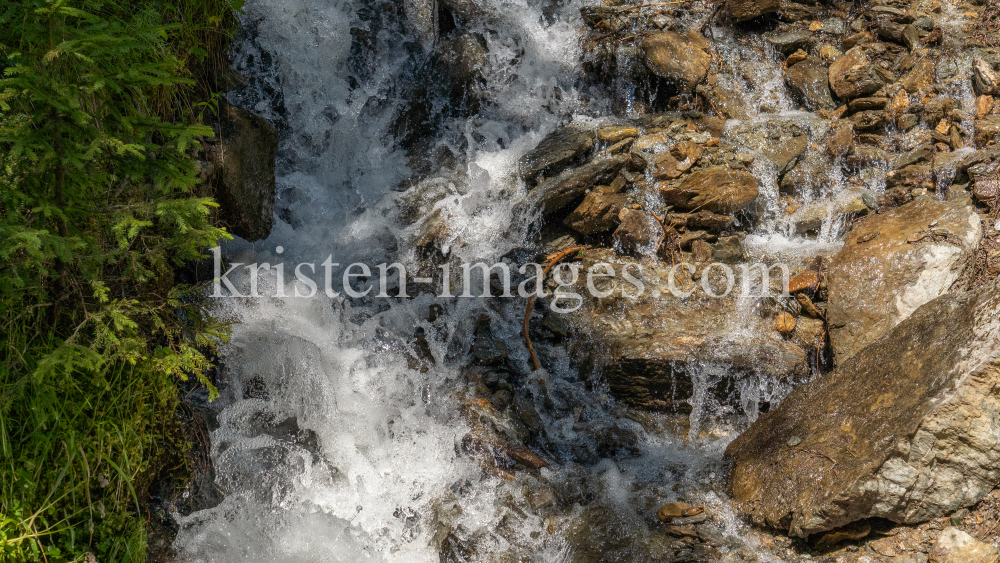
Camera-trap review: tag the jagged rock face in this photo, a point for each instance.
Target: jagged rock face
(677, 59)
(571, 185)
(908, 429)
(243, 177)
(877, 281)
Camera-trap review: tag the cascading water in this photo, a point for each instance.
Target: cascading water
(342, 420)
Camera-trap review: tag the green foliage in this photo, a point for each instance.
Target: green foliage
(99, 206)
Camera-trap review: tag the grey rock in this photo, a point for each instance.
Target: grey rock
(956, 546)
(571, 185)
(557, 151)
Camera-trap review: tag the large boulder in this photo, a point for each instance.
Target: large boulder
(717, 189)
(888, 268)
(908, 429)
(664, 351)
(676, 58)
(742, 10)
(242, 176)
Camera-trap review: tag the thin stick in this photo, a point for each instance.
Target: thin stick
(553, 259)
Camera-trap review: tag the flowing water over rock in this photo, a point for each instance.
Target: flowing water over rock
(357, 428)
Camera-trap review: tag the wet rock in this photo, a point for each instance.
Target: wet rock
(665, 167)
(598, 213)
(863, 104)
(529, 417)
(984, 79)
(810, 80)
(728, 104)
(486, 347)
(650, 344)
(615, 440)
(616, 133)
(243, 172)
(987, 130)
(742, 10)
(785, 152)
(841, 139)
(793, 11)
(715, 189)
(639, 233)
(868, 120)
(789, 41)
(677, 59)
(984, 105)
(461, 62)
(808, 177)
(845, 205)
(904, 430)
(921, 77)
(556, 151)
(956, 546)
(670, 511)
(853, 75)
(571, 185)
(875, 284)
(701, 220)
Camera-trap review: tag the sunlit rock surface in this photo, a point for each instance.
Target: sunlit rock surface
(908, 429)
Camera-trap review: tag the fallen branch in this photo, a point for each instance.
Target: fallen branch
(553, 260)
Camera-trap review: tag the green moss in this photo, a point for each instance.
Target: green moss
(101, 105)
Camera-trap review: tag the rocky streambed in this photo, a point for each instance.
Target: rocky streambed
(796, 356)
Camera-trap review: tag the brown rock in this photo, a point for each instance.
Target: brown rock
(598, 213)
(841, 140)
(616, 133)
(904, 430)
(920, 77)
(796, 57)
(808, 279)
(676, 58)
(874, 284)
(639, 233)
(984, 105)
(647, 344)
(742, 10)
(853, 75)
(666, 167)
(987, 130)
(716, 189)
(728, 104)
(984, 79)
(784, 323)
(956, 546)
(810, 80)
